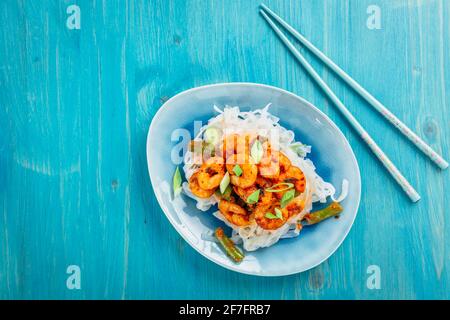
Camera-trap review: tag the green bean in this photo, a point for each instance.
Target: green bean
(228, 246)
(332, 210)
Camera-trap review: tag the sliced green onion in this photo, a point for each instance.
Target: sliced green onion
(254, 197)
(212, 136)
(271, 216)
(298, 148)
(279, 214)
(275, 190)
(227, 194)
(237, 170)
(209, 149)
(287, 197)
(177, 182)
(224, 183)
(257, 151)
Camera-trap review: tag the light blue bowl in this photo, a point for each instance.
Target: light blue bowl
(331, 153)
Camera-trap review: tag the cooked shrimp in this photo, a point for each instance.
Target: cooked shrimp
(249, 171)
(275, 166)
(244, 193)
(234, 143)
(266, 223)
(197, 190)
(265, 198)
(269, 167)
(296, 176)
(263, 182)
(234, 213)
(294, 207)
(211, 173)
(285, 163)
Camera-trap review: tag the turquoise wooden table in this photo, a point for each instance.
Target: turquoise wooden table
(78, 218)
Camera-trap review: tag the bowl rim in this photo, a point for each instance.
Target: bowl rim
(283, 91)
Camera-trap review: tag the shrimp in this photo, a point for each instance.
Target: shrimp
(244, 193)
(197, 190)
(211, 173)
(269, 167)
(273, 165)
(285, 163)
(296, 176)
(235, 143)
(294, 207)
(249, 171)
(265, 198)
(234, 213)
(266, 223)
(263, 182)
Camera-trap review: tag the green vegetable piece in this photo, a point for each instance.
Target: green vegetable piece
(254, 197)
(228, 246)
(274, 189)
(224, 183)
(298, 148)
(271, 216)
(209, 150)
(237, 170)
(257, 151)
(279, 214)
(227, 194)
(332, 210)
(177, 182)
(287, 197)
(212, 136)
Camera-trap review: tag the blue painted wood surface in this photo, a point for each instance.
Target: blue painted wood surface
(75, 106)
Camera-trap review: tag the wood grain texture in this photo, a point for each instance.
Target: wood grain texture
(75, 106)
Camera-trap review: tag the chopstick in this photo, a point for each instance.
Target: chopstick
(387, 163)
(385, 112)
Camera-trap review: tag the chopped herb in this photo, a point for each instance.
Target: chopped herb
(224, 183)
(177, 182)
(271, 216)
(275, 189)
(254, 197)
(300, 149)
(257, 151)
(237, 170)
(279, 214)
(287, 197)
(209, 150)
(212, 136)
(226, 195)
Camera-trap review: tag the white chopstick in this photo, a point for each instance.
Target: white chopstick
(385, 112)
(391, 168)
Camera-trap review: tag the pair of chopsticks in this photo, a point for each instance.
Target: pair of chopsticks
(416, 140)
